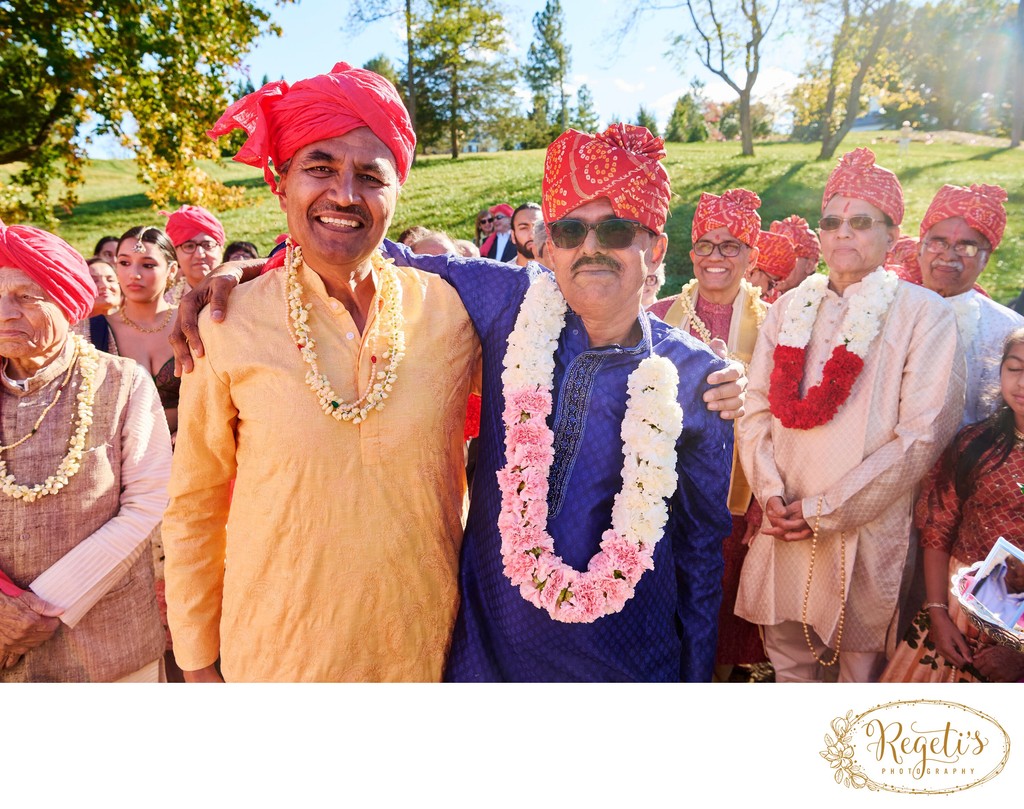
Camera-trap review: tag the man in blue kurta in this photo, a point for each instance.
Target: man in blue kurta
(605, 202)
(667, 630)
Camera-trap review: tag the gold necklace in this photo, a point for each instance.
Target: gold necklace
(1019, 434)
(690, 311)
(129, 322)
(49, 407)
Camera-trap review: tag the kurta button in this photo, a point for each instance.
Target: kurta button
(334, 305)
(350, 335)
(575, 331)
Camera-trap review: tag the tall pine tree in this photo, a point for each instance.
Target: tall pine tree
(549, 60)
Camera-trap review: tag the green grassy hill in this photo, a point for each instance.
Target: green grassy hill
(447, 194)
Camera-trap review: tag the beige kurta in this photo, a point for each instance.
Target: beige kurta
(748, 313)
(335, 557)
(865, 465)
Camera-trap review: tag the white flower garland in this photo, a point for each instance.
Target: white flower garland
(650, 428)
(863, 317)
(71, 463)
(968, 316)
(388, 326)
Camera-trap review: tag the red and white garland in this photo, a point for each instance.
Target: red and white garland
(868, 306)
(650, 428)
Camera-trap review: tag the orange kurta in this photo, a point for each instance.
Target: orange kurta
(340, 541)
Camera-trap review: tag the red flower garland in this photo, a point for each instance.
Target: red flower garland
(822, 401)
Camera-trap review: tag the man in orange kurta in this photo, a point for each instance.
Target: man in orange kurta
(335, 557)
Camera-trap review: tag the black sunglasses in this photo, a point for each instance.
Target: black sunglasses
(612, 234)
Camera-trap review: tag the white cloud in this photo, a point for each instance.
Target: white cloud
(628, 87)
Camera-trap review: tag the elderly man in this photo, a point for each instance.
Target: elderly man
(547, 591)
(518, 603)
(334, 398)
(857, 384)
(805, 245)
(959, 232)
(721, 304)
(198, 239)
(84, 463)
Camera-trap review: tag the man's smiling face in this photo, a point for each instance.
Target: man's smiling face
(339, 195)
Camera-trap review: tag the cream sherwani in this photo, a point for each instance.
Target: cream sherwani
(864, 465)
(984, 326)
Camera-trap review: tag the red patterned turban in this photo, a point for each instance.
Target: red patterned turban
(735, 210)
(622, 164)
(981, 206)
(53, 264)
(902, 259)
(189, 220)
(805, 240)
(776, 255)
(282, 118)
(857, 176)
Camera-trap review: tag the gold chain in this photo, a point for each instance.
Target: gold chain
(842, 593)
(49, 407)
(690, 311)
(129, 322)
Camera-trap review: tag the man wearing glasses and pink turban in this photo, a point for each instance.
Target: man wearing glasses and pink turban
(856, 386)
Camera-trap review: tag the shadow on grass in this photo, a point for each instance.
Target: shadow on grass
(99, 208)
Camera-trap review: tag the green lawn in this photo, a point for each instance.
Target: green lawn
(447, 194)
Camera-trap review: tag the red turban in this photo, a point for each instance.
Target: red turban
(735, 210)
(902, 259)
(776, 255)
(805, 240)
(502, 208)
(281, 119)
(53, 264)
(189, 220)
(980, 205)
(857, 176)
(622, 164)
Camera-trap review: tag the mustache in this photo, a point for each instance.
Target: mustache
(597, 258)
(353, 211)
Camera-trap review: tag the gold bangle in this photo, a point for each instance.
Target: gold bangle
(933, 604)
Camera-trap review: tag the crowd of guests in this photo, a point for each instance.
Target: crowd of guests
(881, 449)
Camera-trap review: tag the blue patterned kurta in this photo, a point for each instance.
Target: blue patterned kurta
(667, 631)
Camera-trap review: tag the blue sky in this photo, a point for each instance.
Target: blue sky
(640, 72)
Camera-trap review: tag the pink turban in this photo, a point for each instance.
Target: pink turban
(622, 164)
(735, 210)
(53, 264)
(281, 119)
(189, 220)
(805, 240)
(981, 206)
(775, 254)
(857, 176)
(503, 208)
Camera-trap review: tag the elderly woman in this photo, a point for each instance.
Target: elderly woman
(84, 462)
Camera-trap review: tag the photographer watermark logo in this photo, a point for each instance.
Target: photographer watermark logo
(919, 746)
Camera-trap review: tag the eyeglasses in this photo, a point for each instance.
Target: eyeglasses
(500, 216)
(190, 247)
(612, 234)
(859, 222)
(725, 249)
(962, 249)
(486, 221)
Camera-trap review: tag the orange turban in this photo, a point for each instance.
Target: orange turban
(735, 210)
(282, 118)
(805, 240)
(622, 164)
(981, 206)
(53, 264)
(775, 254)
(189, 220)
(857, 176)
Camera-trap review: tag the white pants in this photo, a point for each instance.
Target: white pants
(793, 662)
